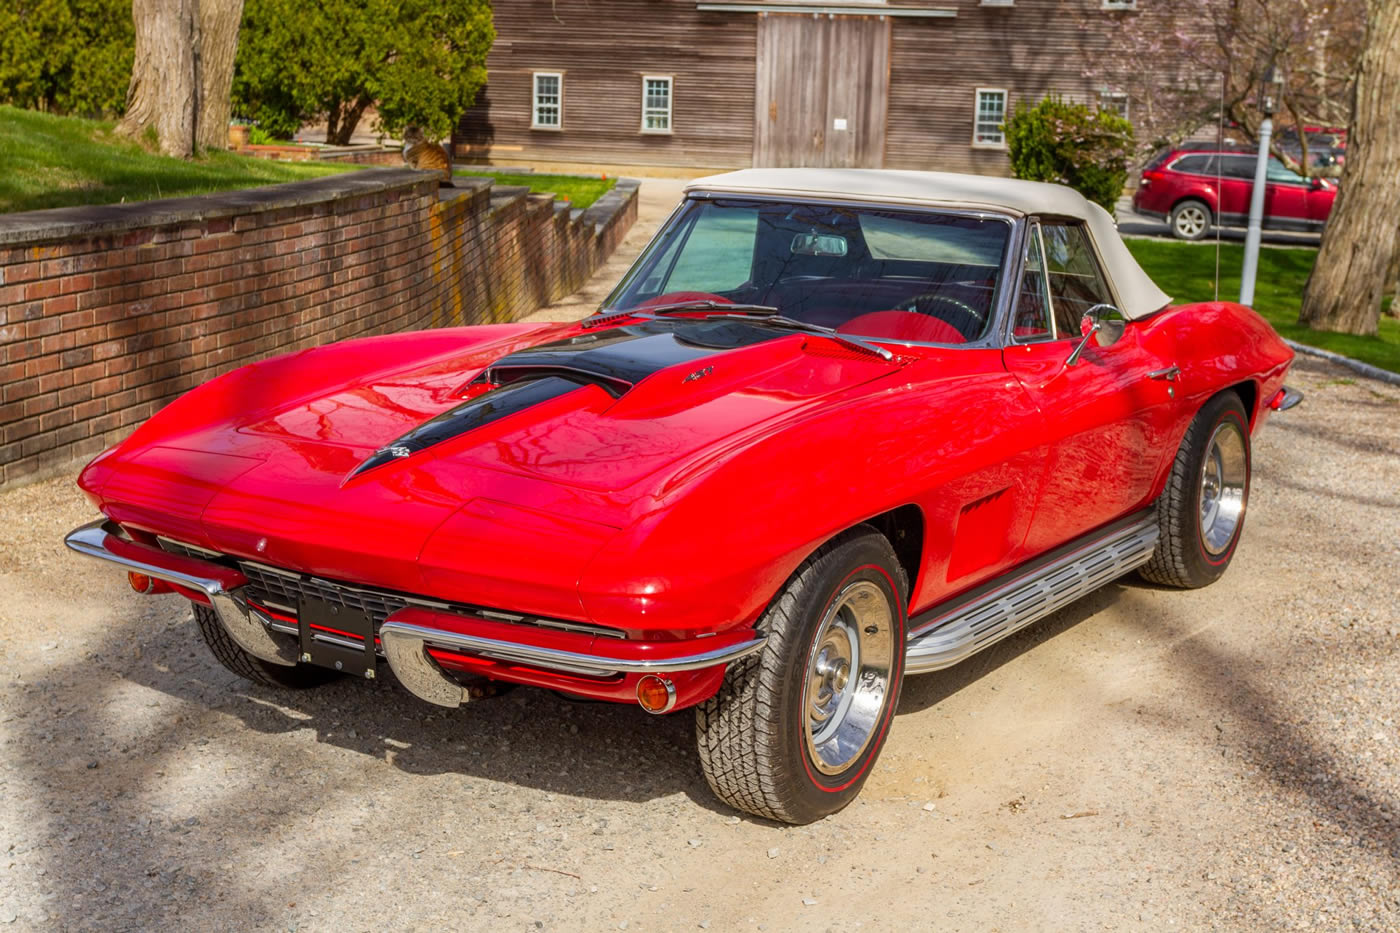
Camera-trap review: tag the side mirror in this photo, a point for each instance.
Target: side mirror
(1102, 323)
(1317, 183)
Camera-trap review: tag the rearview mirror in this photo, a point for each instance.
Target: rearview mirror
(1102, 323)
(818, 244)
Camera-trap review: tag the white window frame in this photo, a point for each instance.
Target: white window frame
(670, 105)
(977, 117)
(1120, 4)
(997, 3)
(535, 123)
(1110, 100)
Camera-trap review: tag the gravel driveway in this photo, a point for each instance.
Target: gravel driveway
(1145, 759)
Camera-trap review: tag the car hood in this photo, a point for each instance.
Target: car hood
(545, 448)
(599, 411)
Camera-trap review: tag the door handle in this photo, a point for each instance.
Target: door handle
(1170, 374)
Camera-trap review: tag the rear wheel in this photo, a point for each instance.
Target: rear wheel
(1201, 512)
(1190, 220)
(245, 665)
(794, 730)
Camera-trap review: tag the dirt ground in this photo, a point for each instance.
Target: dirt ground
(1146, 759)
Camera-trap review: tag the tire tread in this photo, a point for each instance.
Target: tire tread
(228, 653)
(738, 735)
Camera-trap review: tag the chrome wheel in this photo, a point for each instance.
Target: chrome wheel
(1191, 221)
(1224, 474)
(848, 676)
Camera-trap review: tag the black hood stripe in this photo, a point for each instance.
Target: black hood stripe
(615, 359)
(620, 357)
(468, 416)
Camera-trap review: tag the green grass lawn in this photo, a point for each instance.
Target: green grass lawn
(580, 192)
(48, 161)
(1186, 271)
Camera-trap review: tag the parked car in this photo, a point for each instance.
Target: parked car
(1192, 190)
(832, 428)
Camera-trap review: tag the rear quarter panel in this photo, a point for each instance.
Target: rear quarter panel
(1218, 345)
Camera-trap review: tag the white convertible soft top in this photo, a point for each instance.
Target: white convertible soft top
(1139, 295)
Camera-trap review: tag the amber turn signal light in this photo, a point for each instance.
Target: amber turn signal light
(140, 582)
(656, 694)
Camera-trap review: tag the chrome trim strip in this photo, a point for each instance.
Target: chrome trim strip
(405, 645)
(245, 625)
(967, 629)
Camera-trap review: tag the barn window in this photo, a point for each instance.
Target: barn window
(1120, 4)
(548, 112)
(991, 114)
(1114, 102)
(656, 104)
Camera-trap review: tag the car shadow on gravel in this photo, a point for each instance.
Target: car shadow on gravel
(922, 691)
(63, 753)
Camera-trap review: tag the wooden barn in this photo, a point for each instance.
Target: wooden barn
(718, 85)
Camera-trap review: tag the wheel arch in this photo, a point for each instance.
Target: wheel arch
(1194, 195)
(903, 528)
(1248, 391)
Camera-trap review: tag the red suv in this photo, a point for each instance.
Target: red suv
(1193, 188)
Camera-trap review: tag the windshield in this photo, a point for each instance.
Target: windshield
(916, 276)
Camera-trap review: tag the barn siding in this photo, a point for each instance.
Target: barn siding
(603, 47)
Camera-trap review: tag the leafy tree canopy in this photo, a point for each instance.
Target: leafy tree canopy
(420, 61)
(1070, 144)
(66, 56)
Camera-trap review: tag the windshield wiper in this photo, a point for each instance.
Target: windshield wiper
(765, 314)
(810, 328)
(709, 304)
(608, 315)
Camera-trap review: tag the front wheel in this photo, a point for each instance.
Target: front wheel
(1201, 512)
(794, 730)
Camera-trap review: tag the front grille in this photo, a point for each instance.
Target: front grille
(282, 590)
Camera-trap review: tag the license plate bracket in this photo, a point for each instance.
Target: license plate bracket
(335, 636)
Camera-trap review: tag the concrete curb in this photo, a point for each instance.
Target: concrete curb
(1365, 369)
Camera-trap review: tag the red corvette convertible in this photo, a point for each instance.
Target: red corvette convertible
(833, 428)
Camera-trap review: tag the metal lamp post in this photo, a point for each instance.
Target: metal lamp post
(1268, 96)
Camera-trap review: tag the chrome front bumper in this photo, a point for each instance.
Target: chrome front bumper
(223, 586)
(406, 636)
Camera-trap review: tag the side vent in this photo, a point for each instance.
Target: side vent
(980, 538)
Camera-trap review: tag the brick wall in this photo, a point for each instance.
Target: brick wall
(107, 313)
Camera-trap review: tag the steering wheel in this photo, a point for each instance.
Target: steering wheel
(969, 322)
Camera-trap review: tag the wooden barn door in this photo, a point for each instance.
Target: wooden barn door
(821, 91)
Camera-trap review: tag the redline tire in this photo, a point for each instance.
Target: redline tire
(795, 729)
(235, 659)
(1201, 513)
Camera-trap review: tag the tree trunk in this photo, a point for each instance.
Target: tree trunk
(1346, 286)
(182, 75)
(339, 135)
(1393, 277)
(218, 43)
(163, 92)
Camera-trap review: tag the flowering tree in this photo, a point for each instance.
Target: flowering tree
(1187, 63)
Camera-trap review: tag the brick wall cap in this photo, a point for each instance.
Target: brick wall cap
(58, 223)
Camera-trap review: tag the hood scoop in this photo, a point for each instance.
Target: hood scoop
(468, 416)
(615, 360)
(619, 358)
